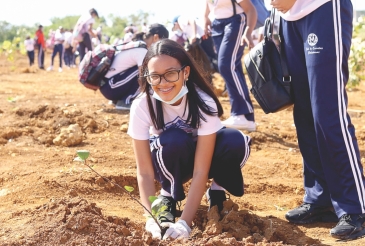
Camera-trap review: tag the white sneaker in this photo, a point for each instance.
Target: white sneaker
(240, 122)
(50, 68)
(60, 69)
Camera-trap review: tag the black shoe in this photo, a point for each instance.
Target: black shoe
(216, 198)
(168, 213)
(349, 227)
(309, 213)
(41, 68)
(121, 105)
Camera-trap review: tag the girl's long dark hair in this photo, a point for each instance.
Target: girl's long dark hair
(196, 103)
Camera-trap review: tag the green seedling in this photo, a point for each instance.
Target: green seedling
(156, 210)
(279, 208)
(11, 99)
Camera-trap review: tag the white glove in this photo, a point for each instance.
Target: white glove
(178, 230)
(153, 228)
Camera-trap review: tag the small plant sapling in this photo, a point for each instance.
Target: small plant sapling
(157, 208)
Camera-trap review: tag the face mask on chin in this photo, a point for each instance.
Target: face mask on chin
(184, 90)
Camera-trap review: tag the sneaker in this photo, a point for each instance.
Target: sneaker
(216, 198)
(121, 105)
(349, 227)
(309, 213)
(240, 122)
(50, 68)
(60, 69)
(169, 213)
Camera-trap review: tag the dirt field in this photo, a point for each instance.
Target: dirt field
(46, 198)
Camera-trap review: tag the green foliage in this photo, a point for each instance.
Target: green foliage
(11, 48)
(9, 32)
(117, 28)
(152, 198)
(67, 22)
(129, 188)
(356, 62)
(11, 99)
(357, 54)
(83, 154)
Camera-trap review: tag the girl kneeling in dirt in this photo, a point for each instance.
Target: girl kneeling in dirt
(178, 136)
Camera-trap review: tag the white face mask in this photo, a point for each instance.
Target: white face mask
(184, 90)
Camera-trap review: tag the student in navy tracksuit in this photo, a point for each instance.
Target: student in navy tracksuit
(121, 81)
(58, 48)
(317, 39)
(29, 46)
(178, 136)
(233, 24)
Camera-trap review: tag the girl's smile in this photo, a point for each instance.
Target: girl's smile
(164, 67)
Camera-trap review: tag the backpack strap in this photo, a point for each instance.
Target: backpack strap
(284, 65)
(269, 33)
(234, 7)
(130, 45)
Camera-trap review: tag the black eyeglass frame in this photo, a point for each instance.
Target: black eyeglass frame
(163, 75)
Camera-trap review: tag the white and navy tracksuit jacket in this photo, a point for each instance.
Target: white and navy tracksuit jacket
(317, 47)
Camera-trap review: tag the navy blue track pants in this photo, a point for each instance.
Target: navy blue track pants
(226, 34)
(122, 86)
(58, 48)
(318, 47)
(173, 159)
(30, 55)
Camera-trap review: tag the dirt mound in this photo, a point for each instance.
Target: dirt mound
(45, 122)
(75, 221)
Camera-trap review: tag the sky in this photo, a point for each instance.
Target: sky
(41, 11)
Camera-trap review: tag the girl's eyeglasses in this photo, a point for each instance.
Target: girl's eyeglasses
(169, 76)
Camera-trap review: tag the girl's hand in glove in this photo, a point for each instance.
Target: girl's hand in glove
(178, 230)
(153, 228)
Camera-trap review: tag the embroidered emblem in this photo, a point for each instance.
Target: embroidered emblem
(312, 39)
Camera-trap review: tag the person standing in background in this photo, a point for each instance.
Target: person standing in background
(82, 31)
(316, 38)
(59, 38)
(128, 35)
(29, 46)
(144, 27)
(41, 46)
(194, 31)
(231, 29)
(68, 55)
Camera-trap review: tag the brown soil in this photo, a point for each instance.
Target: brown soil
(46, 198)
